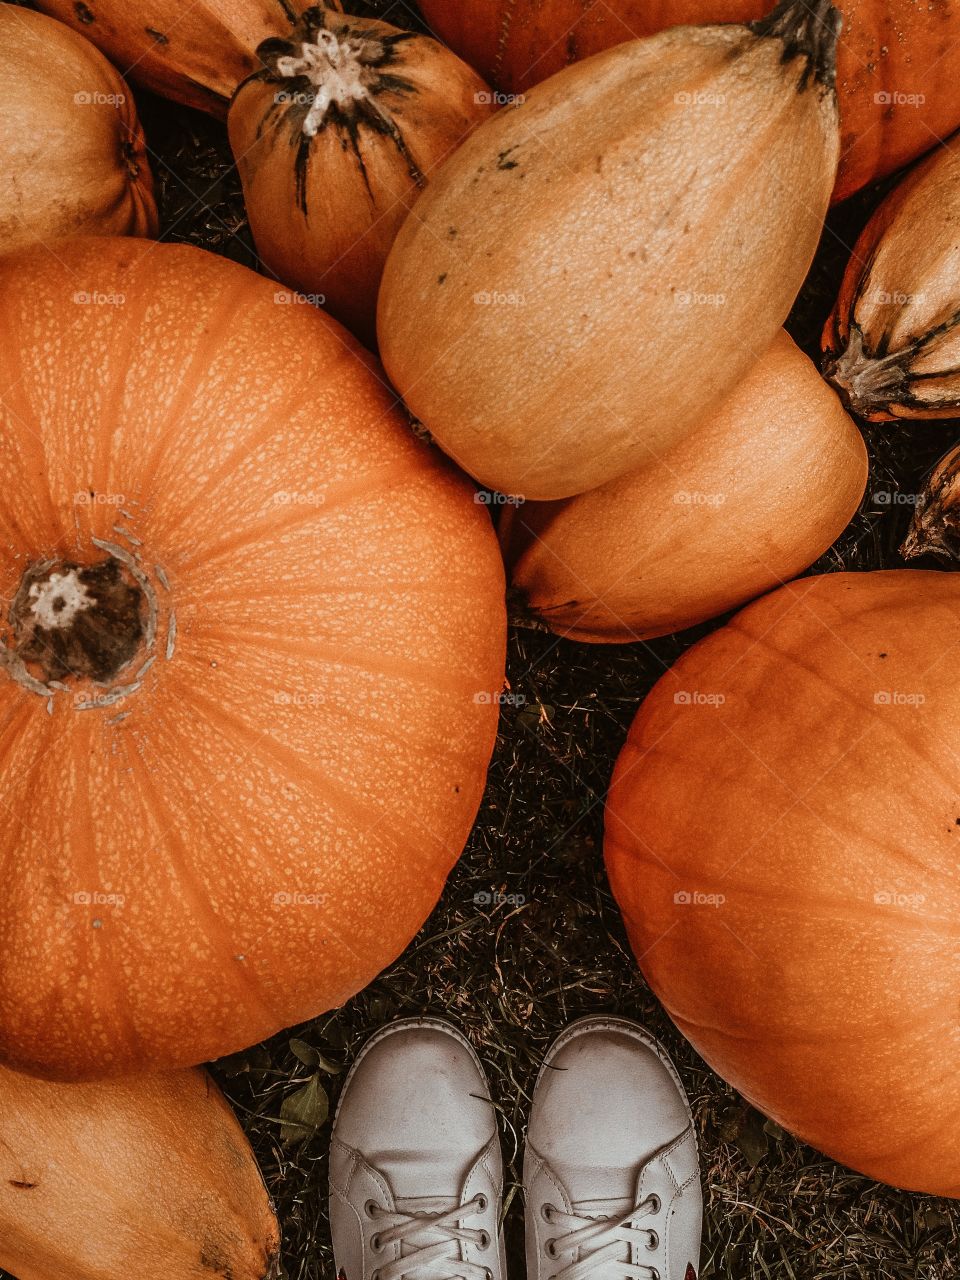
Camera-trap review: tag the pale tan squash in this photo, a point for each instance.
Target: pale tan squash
(596, 268)
(745, 502)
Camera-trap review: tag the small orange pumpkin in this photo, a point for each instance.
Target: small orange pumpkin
(151, 1177)
(194, 51)
(746, 502)
(335, 139)
(72, 157)
(249, 671)
(897, 62)
(782, 837)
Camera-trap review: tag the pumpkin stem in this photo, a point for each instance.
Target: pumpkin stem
(808, 29)
(85, 621)
(936, 520)
(865, 383)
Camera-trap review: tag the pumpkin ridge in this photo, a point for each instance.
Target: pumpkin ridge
(291, 516)
(294, 766)
(798, 1036)
(38, 457)
(211, 925)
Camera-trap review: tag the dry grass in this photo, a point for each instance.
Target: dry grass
(513, 975)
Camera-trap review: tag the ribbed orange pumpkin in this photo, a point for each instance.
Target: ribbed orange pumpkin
(151, 1178)
(72, 155)
(249, 674)
(898, 61)
(782, 838)
(194, 51)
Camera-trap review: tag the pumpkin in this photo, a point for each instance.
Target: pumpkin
(151, 1177)
(935, 526)
(569, 299)
(781, 836)
(747, 501)
(72, 158)
(892, 343)
(897, 61)
(195, 53)
(249, 676)
(334, 141)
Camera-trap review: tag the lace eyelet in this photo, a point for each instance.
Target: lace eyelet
(371, 1208)
(655, 1203)
(376, 1244)
(481, 1202)
(485, 1239)
(375, 1275)
(653, 1240)
(546, 1213)
(487, 1274)
(654, 1275)
(550, 1248)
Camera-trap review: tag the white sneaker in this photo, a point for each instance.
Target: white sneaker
(610, 1173)
(416, 1175)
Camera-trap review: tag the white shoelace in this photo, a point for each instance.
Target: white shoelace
(601, 1242)
(428, 1237)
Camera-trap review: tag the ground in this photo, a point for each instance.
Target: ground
(513, 975)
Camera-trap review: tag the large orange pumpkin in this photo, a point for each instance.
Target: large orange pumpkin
(249, 676)
(72, 155)
(194, 51)
(149, 1178)
(897, 66)
(782, 836)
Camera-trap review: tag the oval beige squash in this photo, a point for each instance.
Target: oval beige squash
(72, 154)
(150, 1178)
(571, 295)
(745, 502)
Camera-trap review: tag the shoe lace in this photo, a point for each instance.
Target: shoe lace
(600, 1242)
(427, 1237)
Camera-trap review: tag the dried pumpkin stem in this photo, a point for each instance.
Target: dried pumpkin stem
(808, 29)
(936, 521)
(867, 384)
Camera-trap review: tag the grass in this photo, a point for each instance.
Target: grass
(513, 975)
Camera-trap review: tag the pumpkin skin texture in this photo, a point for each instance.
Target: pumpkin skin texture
(72, 158)
(781, 836)
(151, 1178)
(194, 53)
(574, 259)
(890, 55)
(892, 343)
(308, 636)
(334, 151)
(746, 502)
